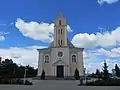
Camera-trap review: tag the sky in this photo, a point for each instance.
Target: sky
(26, 25)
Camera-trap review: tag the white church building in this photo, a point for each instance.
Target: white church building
(61, 58)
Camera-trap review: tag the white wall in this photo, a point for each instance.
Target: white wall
(40, 63)
(67, 53)
(55, 58)
(80, 63)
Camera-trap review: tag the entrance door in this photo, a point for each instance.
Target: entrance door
(60, 71)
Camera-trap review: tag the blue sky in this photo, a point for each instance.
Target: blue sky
(95, 25)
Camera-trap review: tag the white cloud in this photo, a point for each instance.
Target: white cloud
(105, 39)
(11, 23)
(29, 55)
(113, 53)
(2, 37)
(107, 53)
(4, 33)
(2, 24)
(22, 55)
(91, 66)
(94, 58)
(37, 31)
(107, 1)
(69, 29)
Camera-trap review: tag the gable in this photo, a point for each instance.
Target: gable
(59, 62)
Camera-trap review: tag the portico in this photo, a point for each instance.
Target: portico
(60, 68)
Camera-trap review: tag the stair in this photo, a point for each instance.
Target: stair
(55, 78)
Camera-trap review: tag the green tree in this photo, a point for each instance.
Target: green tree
(117, 70)
(76, 74)
(43, 75)
(98, 73)
(9, 69)
(105, 71)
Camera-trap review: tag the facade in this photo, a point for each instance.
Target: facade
(61, 58)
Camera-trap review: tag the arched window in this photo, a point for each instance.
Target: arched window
(58, 31)
(46, 59)
(74, 59)
(61, 31)
(59, 42)
(59, 22)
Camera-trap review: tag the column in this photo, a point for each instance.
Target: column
(54, 70)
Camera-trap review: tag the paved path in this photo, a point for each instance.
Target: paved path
(56, 85)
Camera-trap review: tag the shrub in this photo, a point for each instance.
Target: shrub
(76, 74)
(15, 81)
(27, 82)
(109, 82)
(43, 75)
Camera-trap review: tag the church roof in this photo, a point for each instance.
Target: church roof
(60, 15)
(68, 42)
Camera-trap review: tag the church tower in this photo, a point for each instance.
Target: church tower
(60, 31)
(61, 58)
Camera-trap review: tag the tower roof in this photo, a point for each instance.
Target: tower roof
(60, 15)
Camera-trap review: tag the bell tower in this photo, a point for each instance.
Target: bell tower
(60, 31)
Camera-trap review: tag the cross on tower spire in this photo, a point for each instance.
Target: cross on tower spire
(60, 14)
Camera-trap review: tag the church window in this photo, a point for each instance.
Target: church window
(61, 31)
(61, 42)
(58, 31)
(73, 58)
(60, 54)
(59, 22)
(46, 59)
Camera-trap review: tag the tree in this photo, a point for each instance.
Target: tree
(98, 73)
(105, 71)
(43, 75)
(117, 70)
(0, 60)
(9, 69)
(76, 74)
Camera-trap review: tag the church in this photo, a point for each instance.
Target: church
(61, 58)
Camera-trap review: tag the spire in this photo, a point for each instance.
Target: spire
(60, 14)
(104, 61)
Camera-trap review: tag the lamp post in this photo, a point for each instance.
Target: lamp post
(83, 77)
(25, 75)
(85, 74)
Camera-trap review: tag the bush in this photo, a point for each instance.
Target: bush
(27, 83)
(15, 81)
(76, 74)
(43, 75)
(19, 81)
(110, 82)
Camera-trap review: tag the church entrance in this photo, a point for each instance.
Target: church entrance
(60, 71)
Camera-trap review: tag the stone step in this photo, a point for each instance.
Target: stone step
(55, 78)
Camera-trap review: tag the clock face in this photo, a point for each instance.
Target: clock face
(60, 54)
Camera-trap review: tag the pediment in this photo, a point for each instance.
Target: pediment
(59, 62)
